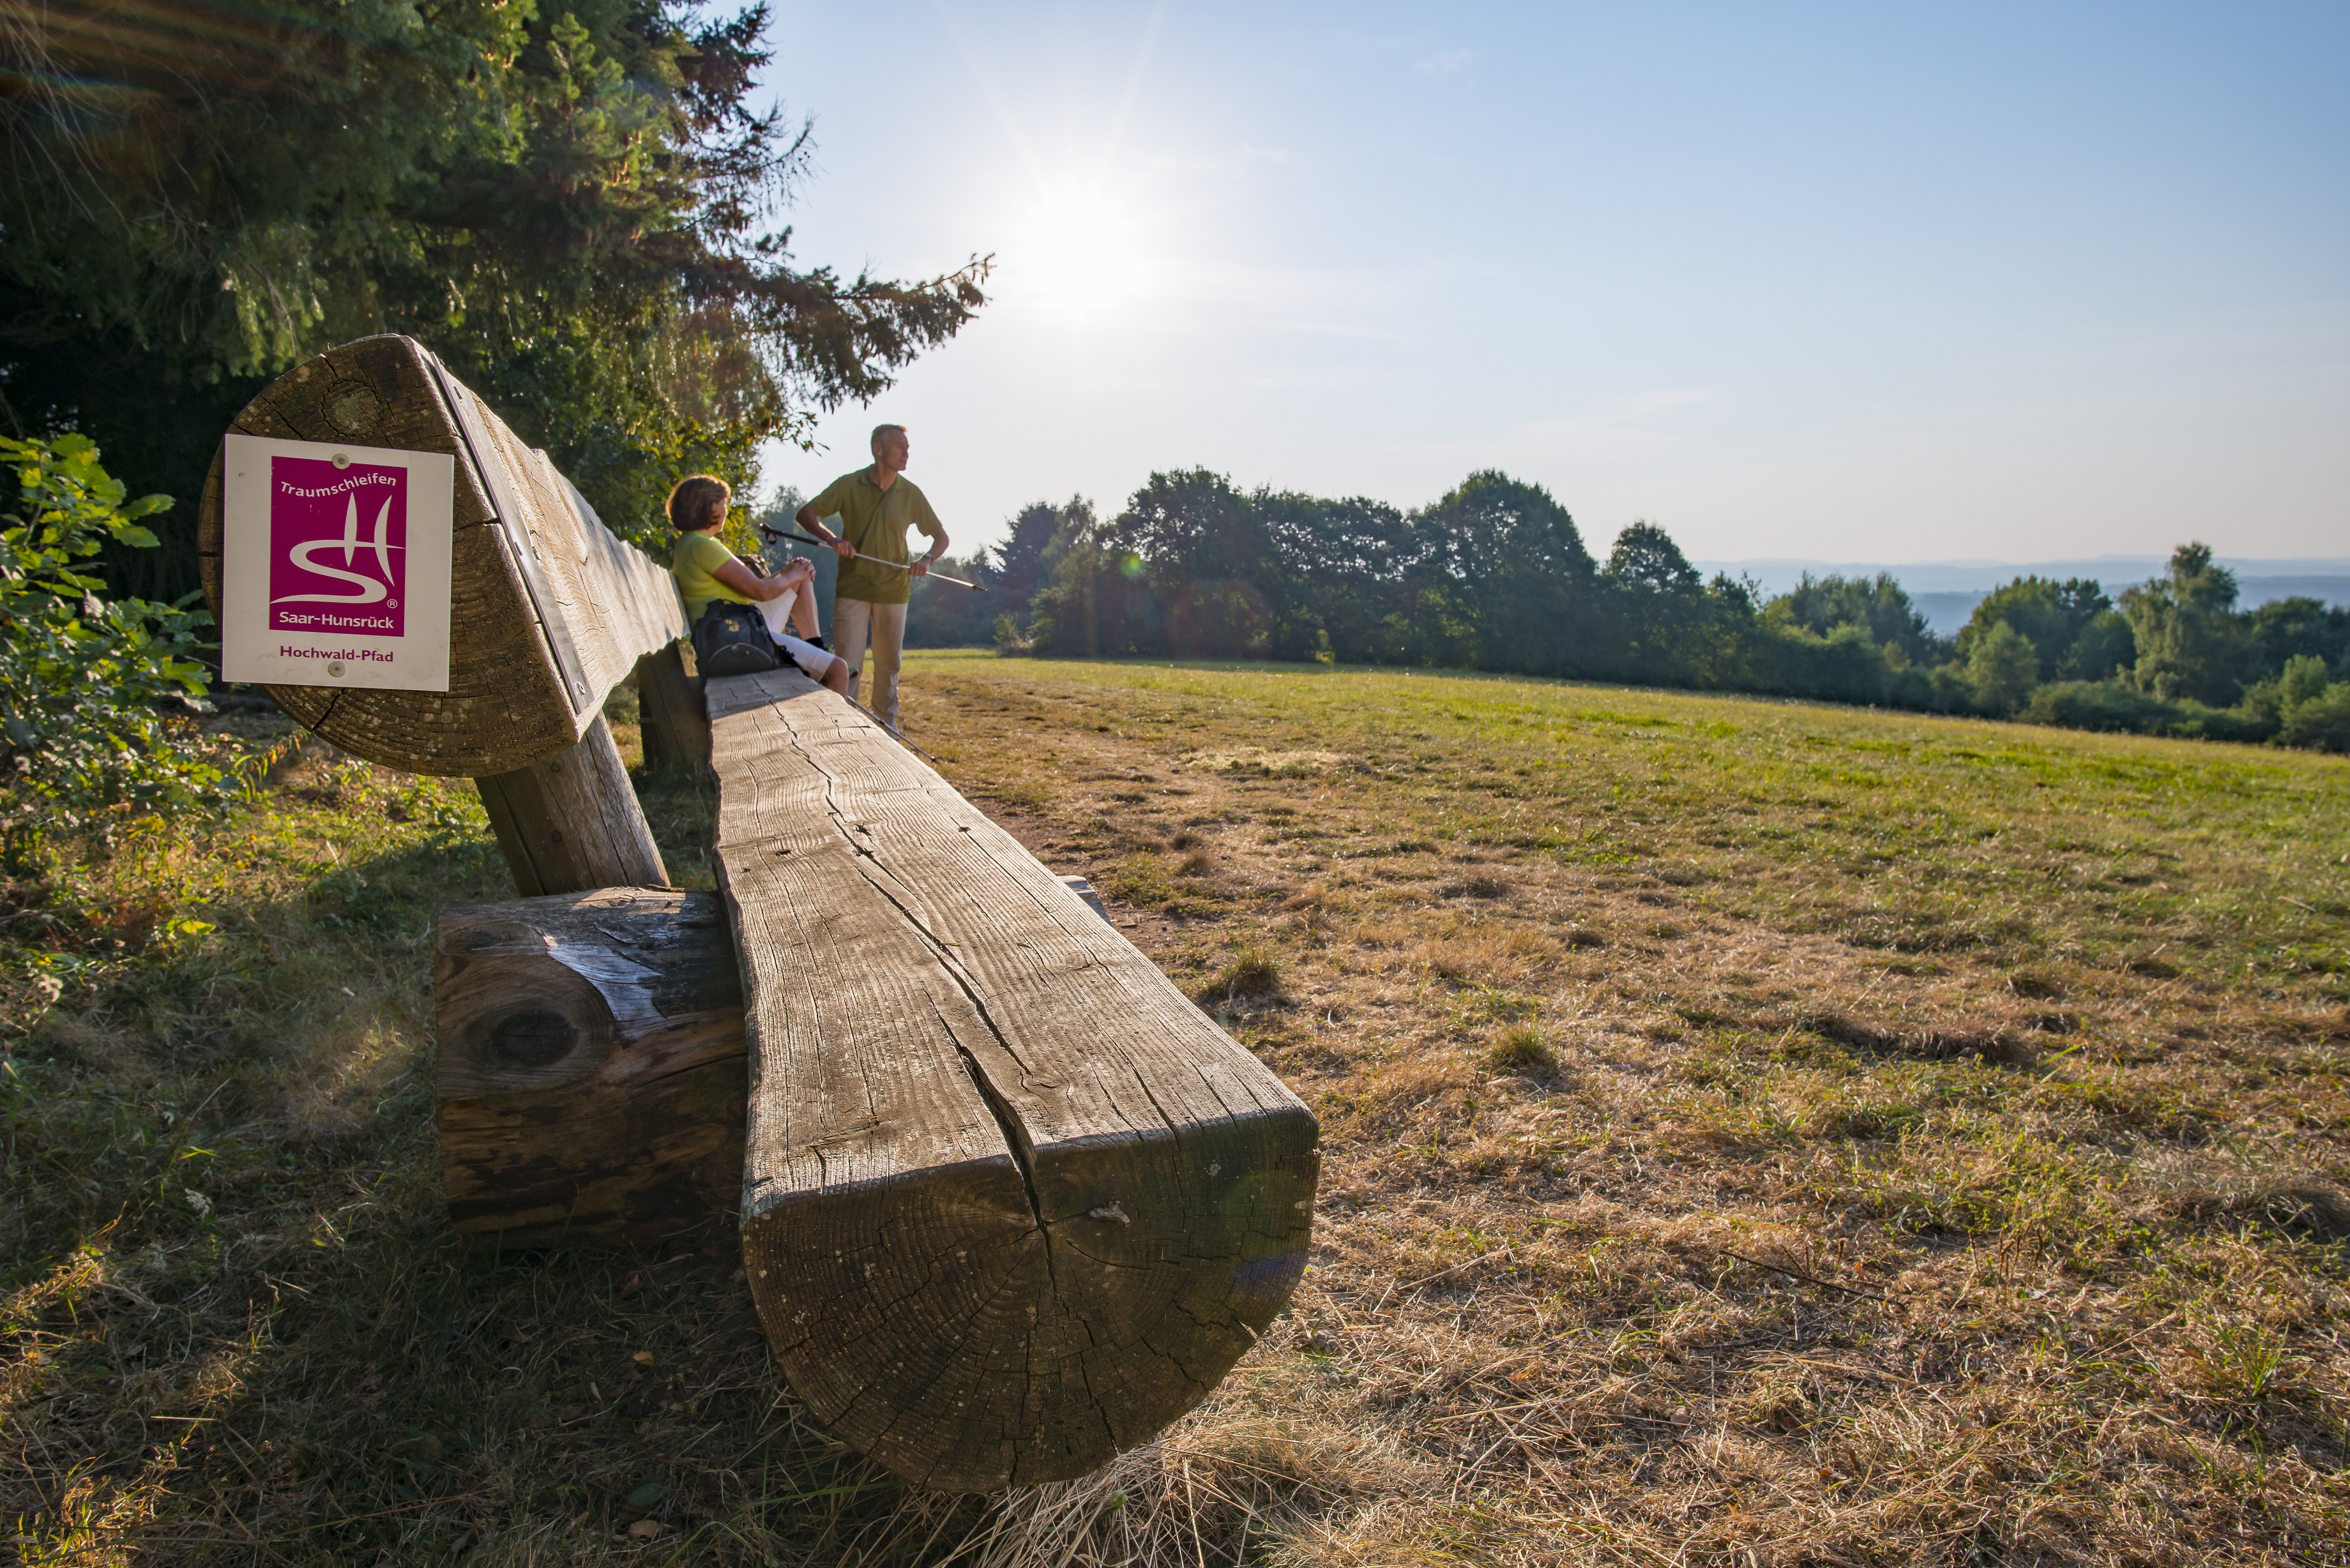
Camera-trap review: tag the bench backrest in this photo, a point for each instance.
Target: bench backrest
(548, 610)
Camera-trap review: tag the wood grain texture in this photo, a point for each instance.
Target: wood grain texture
(532, 574)
(591, 1076)
(1011, 1203)
(673, 715)
(570, 821)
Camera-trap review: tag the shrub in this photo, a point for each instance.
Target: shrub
(1010, 639)
(2099, 705)
(1844, 666)
(87, 743)
(2244, 722)
(2321, 722)
(1938, 689)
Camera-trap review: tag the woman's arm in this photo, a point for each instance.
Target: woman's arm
(744, 580)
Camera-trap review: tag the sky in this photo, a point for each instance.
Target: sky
(1838, 282)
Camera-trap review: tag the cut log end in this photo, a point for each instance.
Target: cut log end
(591, 1072)
(547, 611)
(947, 1327)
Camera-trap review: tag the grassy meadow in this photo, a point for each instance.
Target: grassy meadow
(1755, 1133)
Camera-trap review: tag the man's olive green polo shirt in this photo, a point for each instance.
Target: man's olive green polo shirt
(875, 520)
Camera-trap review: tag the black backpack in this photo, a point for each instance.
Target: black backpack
(732, 640)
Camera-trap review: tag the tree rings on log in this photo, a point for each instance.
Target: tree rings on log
(591, 1077)
(547, 611)
(1011, 1203)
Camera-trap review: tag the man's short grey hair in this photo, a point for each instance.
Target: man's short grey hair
(880, 430)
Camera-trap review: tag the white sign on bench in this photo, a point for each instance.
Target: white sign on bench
(335, 564)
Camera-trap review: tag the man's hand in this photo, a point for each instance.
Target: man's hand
(920, 569)
(807, 518)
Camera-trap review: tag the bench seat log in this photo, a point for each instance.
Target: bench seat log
(591, 1077)
(1011, 1203)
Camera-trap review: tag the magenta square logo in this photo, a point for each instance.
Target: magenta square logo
(337, 547)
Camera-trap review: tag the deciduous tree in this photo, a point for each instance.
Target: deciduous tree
(2190, 642)
(1881, 607)
(2070, 626)
(2002, 666)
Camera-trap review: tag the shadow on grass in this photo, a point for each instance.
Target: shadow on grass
(238, 1326)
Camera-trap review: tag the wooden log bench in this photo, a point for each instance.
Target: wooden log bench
(1007, 1201)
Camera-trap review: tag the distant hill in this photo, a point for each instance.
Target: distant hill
(1945, 592)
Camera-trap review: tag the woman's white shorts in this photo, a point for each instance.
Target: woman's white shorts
(813, 661)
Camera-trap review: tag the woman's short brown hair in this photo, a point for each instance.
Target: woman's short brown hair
(698, 501)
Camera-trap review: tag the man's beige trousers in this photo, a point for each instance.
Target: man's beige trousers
(870, 635)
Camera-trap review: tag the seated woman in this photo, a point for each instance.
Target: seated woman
(706, 570)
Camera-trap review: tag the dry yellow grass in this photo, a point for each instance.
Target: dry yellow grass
(1756, 1133)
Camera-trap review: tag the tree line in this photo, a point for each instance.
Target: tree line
(1496, 577)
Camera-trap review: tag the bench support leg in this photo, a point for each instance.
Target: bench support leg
(570, 822)
(671, 707)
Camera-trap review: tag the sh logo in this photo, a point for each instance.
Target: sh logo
(337, 547)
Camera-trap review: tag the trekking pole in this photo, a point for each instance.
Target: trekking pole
(861, 555)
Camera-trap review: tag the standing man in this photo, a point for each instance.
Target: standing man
(875, 506)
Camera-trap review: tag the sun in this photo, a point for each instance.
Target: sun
(1084, 250)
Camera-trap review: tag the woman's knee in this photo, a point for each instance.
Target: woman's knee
(837, 678)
